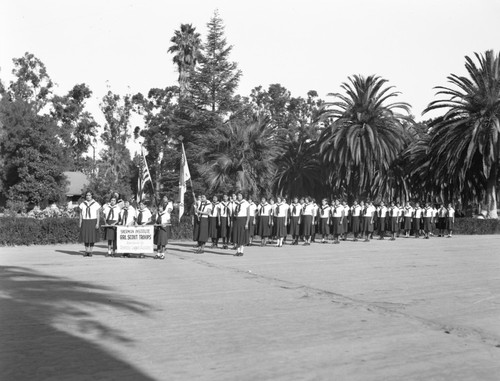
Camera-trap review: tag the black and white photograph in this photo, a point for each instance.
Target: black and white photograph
(250, 190)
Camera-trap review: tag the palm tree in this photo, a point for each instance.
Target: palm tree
(240, 156)
(465, 144)
(364, 136)
(187, 51)
(299, 170)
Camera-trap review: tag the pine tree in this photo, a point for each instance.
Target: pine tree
(216, 78)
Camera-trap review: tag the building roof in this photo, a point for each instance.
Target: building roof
(76, 183)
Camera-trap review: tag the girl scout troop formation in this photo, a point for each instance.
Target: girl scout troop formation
(236, 221)
(118, 212)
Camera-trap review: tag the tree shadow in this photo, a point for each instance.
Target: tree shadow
(32, 347)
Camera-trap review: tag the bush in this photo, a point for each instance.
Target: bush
(15, 231)
(469, 225)
(30, 231)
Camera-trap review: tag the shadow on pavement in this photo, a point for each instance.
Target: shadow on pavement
(32, 347)
(81, 252)
(193, 251)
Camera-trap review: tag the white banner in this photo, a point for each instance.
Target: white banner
(135, 239)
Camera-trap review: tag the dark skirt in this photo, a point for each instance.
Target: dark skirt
(337, 227)
(416, 225)
(355, 224)
(224, 229)
(213, 229)
(345, 225)
(251, 227)
(280, 227)
(264, 228)
(196, 228)
(427, 224)
(307, 225)
(381, 224)
(367, 224)
(324, 226)
(110, 232)
(240, 235)
(88, 232)
(203, 230)
(407, 225)
(441, 223)
(294, 226)
(274, 227)
(230, 230)
(394, 224)
(163, 233)
(449, 223)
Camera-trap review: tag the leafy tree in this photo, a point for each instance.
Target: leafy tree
(161, 135)
(465, 145)
(32, 84)
(216, 79)
(365, 134)
(34, 158)
(289, 116)
(115, 162)
(187, 52)
(77, 127)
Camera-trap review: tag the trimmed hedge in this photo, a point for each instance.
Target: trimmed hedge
(29, 231)
(16, 231)
(468, 225)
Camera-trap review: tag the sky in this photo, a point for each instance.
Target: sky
(303, 45)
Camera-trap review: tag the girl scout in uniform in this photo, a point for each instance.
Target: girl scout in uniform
(89, 223)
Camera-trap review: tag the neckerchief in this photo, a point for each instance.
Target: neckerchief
(87, 211)
(139, 217)
(111, 213)
(262, 206)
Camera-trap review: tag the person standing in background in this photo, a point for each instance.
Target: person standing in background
(450, 220)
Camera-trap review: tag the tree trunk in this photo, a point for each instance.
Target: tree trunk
(491, 193)
(240, 181)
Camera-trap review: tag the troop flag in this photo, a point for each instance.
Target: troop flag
(183, 178)
(144, 176)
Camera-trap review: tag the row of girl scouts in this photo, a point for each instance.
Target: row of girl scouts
(236, 221)
(119, 212)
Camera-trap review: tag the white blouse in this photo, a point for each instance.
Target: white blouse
(90, 210)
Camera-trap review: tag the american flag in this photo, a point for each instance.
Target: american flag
(144, 176)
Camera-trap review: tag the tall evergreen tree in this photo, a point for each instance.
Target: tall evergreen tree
(216, 79)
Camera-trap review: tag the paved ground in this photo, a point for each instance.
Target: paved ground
(405, 310)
